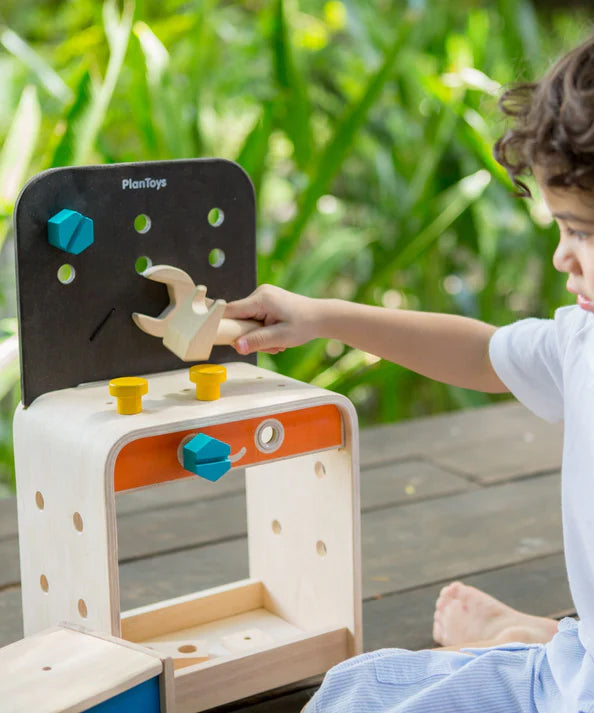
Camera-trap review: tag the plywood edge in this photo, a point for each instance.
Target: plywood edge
(192, 610)
(220, 681)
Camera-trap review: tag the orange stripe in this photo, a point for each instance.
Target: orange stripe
(152, 460)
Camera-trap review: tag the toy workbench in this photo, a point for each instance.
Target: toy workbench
(114, 266)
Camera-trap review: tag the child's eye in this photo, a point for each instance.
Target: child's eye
(579, 234)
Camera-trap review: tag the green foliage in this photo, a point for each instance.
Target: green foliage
(367, 129)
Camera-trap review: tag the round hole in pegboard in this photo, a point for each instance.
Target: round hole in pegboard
(320, 469)
(43, 583)
(187, 649)
(142, 263)
(77, 521)
(216, 217)
(82, 608)
(216, 257)
(247, 638)
(276, 527)
(321, 548)
(39, 500)
(269, 435)
(142, 223)
(66, 274)
(46, 668)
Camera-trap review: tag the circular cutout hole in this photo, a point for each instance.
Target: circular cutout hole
(43, 583)
(216, 257)
(142, 223)
(39, 501)
(82, 608)
(321, 548)
(77, 521)
(142, 263)
(320, 469)
(276, 527)
(46, 668)
(247, 638)
(269, 435)
(216, 217)
(187, 649)
(66, 274)
(281, 386)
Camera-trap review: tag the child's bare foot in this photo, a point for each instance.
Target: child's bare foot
(466, 614)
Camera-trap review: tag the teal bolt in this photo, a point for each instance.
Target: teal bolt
(206, 456)
(70, 231)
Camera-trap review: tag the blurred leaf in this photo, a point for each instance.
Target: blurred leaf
(19, 145)
(52, 81)
(117, 30)
(68, 129)
(296, 112)
(253, 154)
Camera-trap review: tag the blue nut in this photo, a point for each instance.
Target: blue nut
(70, 231)
(207, 457)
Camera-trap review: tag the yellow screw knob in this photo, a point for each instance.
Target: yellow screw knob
(129, 391)
(208, 379)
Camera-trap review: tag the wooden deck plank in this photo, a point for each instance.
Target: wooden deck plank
(393, 484)
(446, 537)
(432, 435)
(503, 459)
(179, 492)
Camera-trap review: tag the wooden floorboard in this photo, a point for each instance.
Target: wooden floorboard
(434, 492)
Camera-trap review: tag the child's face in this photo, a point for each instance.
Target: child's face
(573, 209)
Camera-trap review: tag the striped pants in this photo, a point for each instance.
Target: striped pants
(557, 677)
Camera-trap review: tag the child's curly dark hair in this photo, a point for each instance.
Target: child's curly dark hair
(554, 124)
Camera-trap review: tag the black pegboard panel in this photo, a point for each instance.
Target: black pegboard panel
(83, 331)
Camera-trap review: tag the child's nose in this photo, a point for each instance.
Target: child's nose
(564, 259)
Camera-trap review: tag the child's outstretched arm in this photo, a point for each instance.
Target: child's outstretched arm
(444, 347)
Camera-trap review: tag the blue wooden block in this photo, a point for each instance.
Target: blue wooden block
(70, 231)
(143, 698)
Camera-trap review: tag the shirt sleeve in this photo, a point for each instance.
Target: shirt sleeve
(528, 357)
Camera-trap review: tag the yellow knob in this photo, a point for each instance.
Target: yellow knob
(208, 379)
(129, 391)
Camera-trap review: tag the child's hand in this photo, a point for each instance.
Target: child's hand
(289, 319)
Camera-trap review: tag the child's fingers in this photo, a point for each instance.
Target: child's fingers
(270, 339)
(246, 308)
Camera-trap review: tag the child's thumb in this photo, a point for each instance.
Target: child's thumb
(261, 339)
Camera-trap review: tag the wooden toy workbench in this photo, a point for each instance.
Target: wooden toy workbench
(300, 611)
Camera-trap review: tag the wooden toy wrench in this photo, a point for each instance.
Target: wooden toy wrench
(192, 323)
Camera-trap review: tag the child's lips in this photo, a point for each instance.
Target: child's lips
(585, 303)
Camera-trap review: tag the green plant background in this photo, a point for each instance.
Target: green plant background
(367, 129)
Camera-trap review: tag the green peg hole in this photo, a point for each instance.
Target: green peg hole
(66, 274)
(142, 263)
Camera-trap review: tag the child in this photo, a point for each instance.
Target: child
(549, 366)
